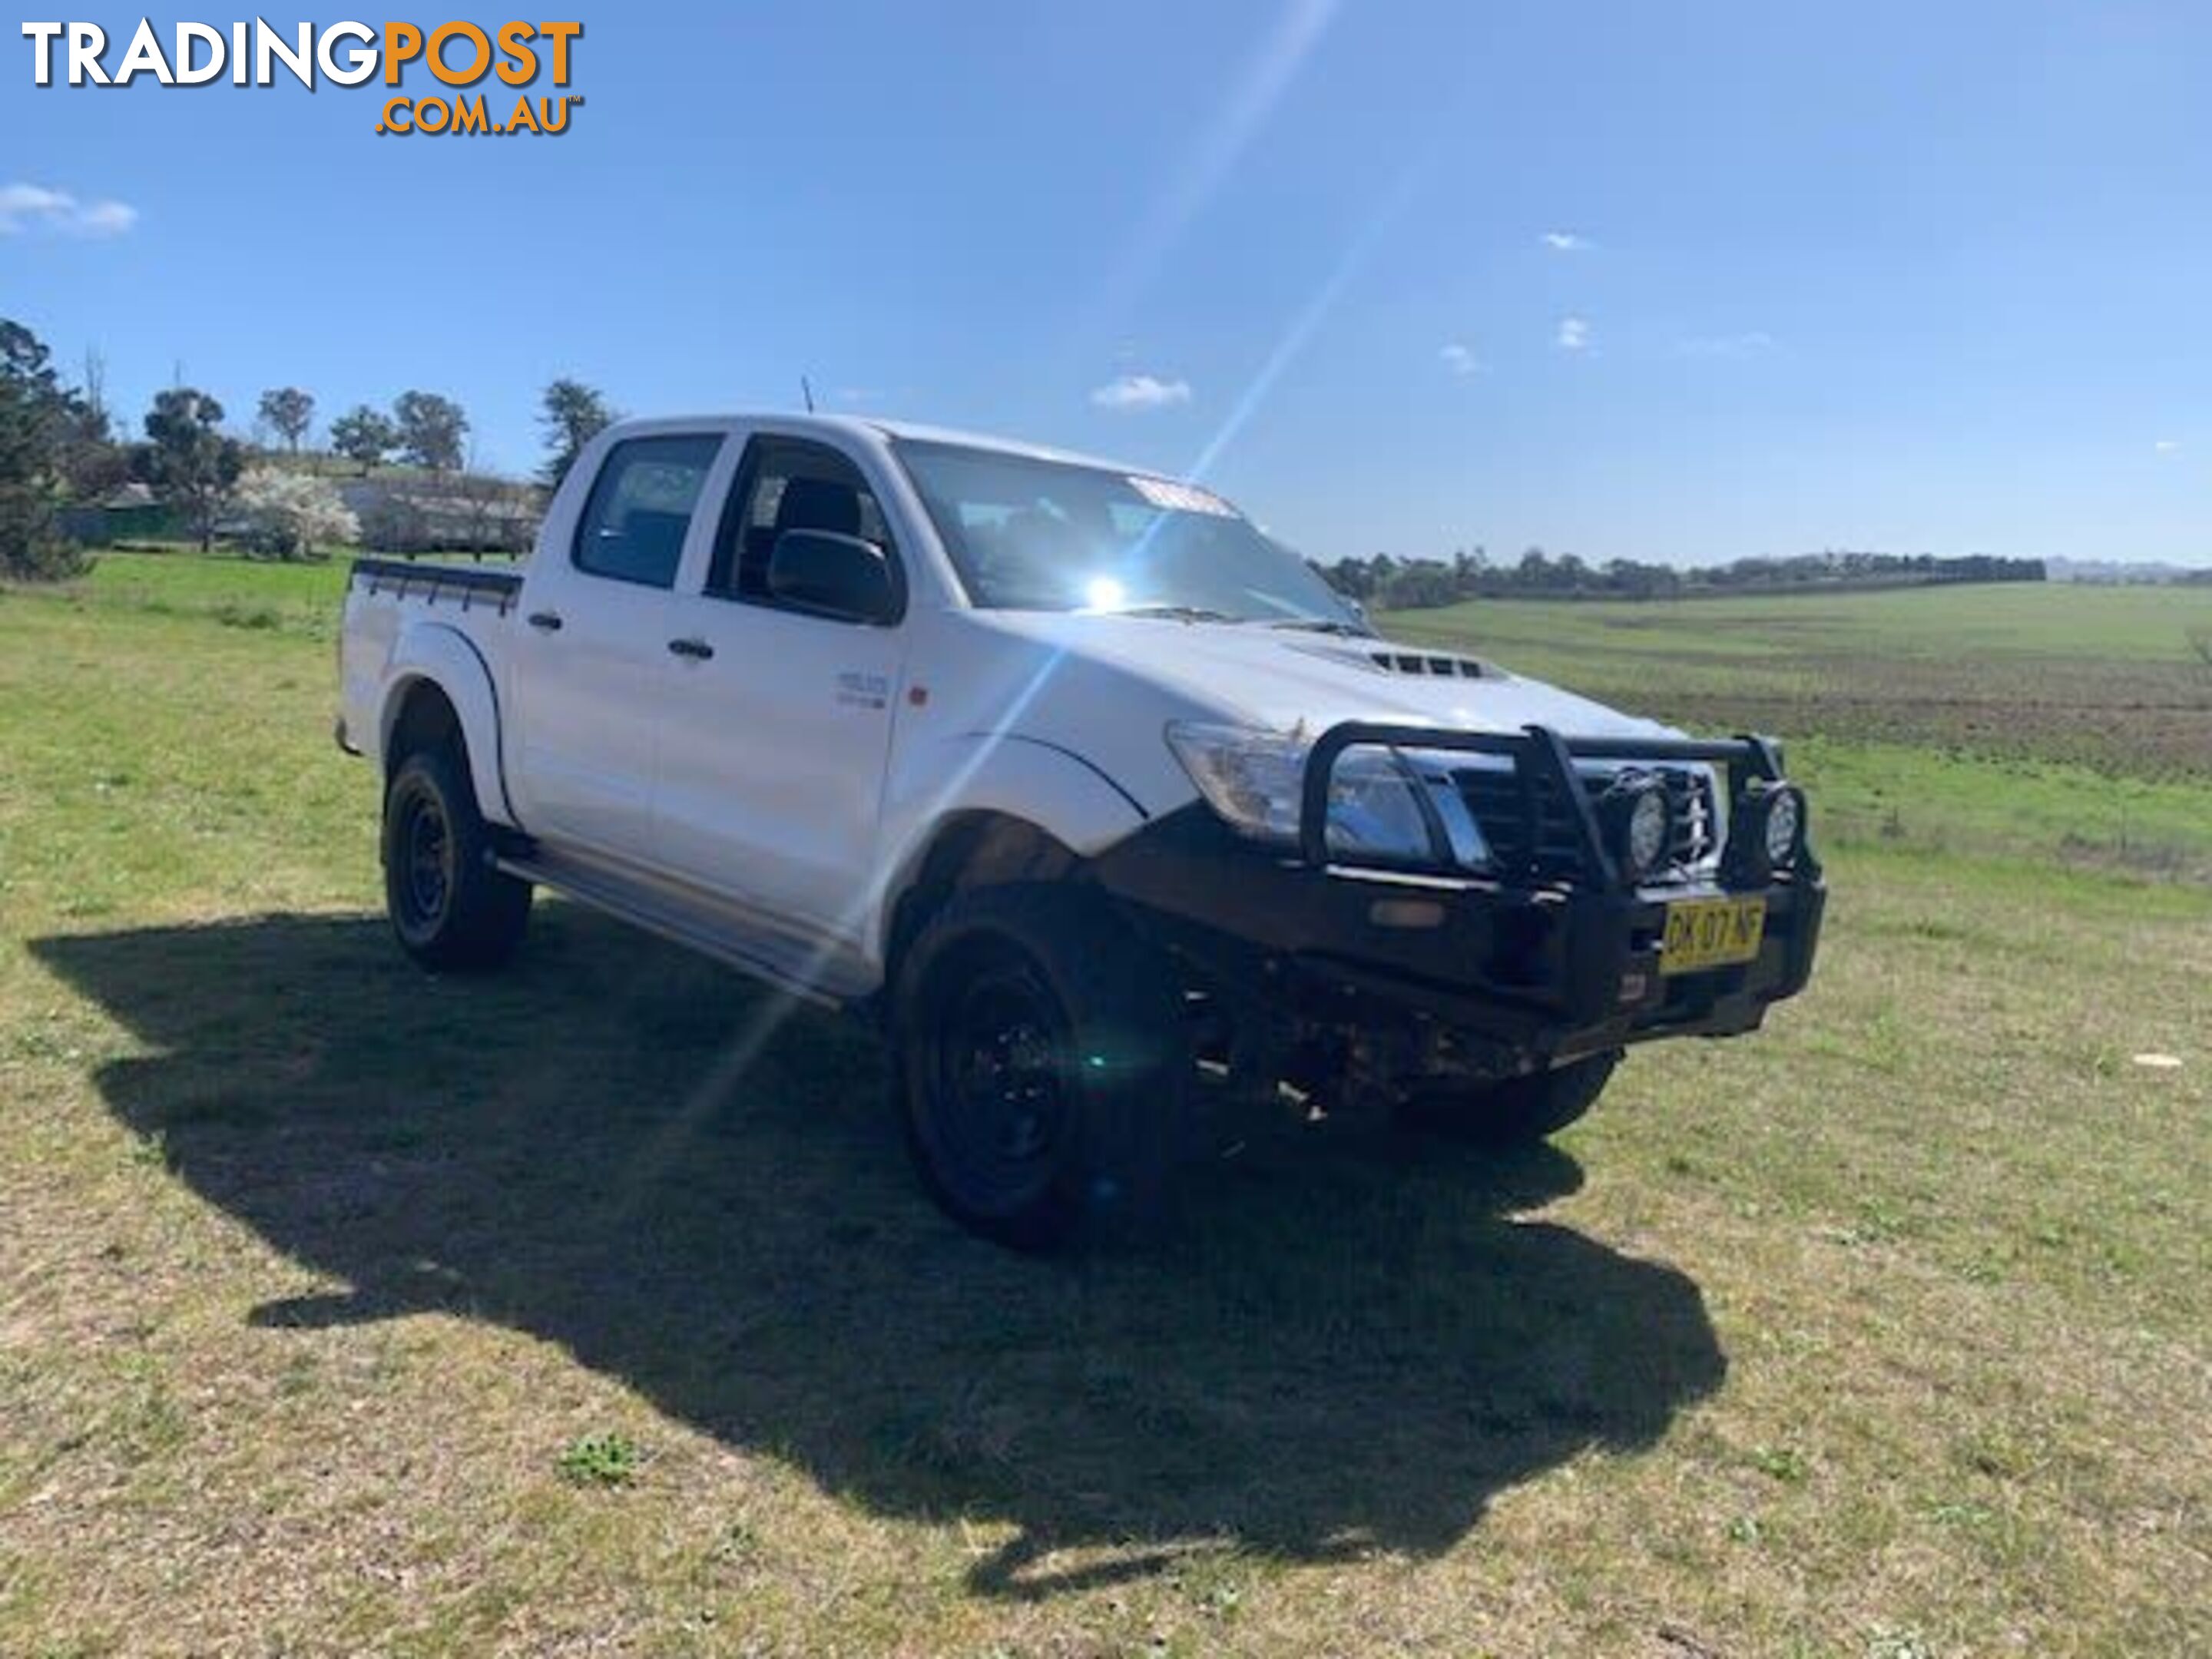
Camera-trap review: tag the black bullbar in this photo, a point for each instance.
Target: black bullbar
(1538, 962)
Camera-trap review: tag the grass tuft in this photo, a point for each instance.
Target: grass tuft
(601, 1460)
(1783, 1463)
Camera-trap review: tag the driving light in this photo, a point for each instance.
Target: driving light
(1638, 824)
(1783, 834)
(1767, 836)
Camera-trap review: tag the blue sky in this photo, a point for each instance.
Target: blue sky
(1402, 275)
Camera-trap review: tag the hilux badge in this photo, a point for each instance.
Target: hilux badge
(856, 689)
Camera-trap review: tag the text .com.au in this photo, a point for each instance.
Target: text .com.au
(460, 56)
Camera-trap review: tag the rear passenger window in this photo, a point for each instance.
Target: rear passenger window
(641, 508)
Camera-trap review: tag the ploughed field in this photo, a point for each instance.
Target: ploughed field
(2030, 719)
(593, 1307)
(2108, 678)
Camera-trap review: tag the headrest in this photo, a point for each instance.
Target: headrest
(819, 504)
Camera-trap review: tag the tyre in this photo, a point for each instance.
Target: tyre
(452, 909)
(1044, 1075)
(1518, 1112)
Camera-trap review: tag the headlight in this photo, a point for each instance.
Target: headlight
(1382, 804)
(1373, 809)
(1252, 778)
(1639, 825)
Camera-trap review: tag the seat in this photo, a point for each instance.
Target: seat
(819, 504)
(825, 504)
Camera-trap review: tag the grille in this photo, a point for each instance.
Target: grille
(1493, 796)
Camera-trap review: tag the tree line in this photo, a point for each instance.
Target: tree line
(60, 448)
(1392, 584)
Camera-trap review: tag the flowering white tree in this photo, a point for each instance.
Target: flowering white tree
(289, 514)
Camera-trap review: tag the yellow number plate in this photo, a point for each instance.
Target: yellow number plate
(1705, 933)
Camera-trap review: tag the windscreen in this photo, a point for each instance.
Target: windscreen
(1038, 535)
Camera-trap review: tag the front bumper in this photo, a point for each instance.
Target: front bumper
(1521, 972)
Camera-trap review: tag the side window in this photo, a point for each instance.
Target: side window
(641, 508)
(787, 484)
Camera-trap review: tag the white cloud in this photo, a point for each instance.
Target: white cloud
(1565, 241)
(34, 207)
(30, 200)
(2167, 445)
(1134, 393)
(1747, 344)
(1574, 334)
(1460, 360)
(107, 218)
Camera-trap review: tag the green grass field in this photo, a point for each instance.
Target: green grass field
(592, 1309)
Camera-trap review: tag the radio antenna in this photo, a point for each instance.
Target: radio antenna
(806, 392)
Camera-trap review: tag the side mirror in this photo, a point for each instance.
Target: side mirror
(833, 576)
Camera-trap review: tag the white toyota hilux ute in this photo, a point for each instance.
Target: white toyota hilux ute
(1100, 798)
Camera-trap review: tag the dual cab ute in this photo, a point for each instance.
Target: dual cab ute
(1085, 786)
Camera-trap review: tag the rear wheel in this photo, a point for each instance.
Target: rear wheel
(451, 907)
(1043, 1069)
(1518, 1112)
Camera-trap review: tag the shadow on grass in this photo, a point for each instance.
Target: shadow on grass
(1351, 1345)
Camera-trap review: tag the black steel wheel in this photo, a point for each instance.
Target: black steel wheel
(425, 886)
(1043, 1067)
(999, 1077)
(451, 908)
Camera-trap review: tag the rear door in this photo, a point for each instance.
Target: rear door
(590, 654)
(775, 736)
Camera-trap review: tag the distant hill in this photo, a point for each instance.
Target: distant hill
(2124, 573)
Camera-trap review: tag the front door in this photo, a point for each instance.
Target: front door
(775, 733)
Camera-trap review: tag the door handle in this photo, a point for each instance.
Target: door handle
(545, 622)
(697, 650)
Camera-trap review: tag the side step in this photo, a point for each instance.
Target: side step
(831, 976)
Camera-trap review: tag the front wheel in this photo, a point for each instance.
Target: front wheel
(1518, 1112)
(452, 906)
(1043, 1070)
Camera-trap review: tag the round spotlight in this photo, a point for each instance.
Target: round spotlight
(1639, 824)
(1784, 830)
